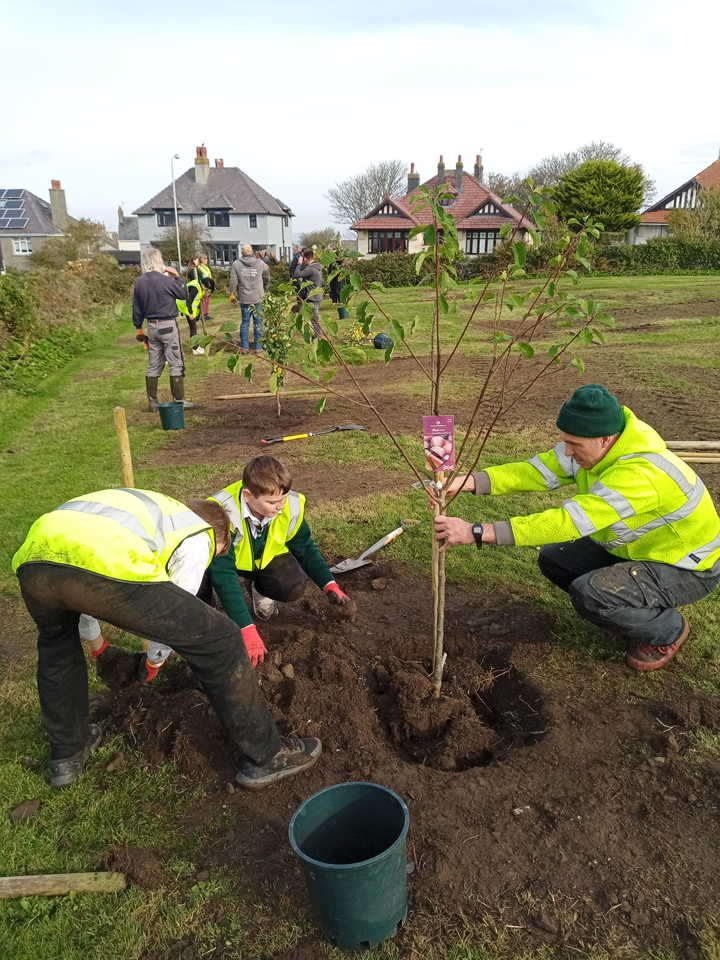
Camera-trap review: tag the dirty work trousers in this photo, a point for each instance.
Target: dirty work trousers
(164, 346)
(283, 579)
(212, 644)
(635, 598)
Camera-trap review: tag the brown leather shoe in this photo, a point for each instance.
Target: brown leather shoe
(645, 657)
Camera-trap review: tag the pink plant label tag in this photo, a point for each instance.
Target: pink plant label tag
(439, 442)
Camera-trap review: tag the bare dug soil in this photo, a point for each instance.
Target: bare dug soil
(562, 807)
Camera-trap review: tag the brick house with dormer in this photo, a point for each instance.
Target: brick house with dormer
(478, 212)
(684, 197)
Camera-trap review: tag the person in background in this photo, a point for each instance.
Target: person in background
(247, 288)
(269, 259)
(155, 300)
(191, 306)
(192, 268)
(309, 269)
(206, 273)
(294, 263)
(336, 285)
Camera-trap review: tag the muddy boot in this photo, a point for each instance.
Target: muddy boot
(177, 386)
(151, 385)
(294, 756)
(66, 771)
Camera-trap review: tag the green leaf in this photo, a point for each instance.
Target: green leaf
(327, 377)
(526, 350)
(353, 355)
(444, 305)
(563, 323)
(389, 352)
(535, 237)
(488, 295)
(579, 363)
(360, 310)
(429, 235)
(584, 261)
(505, 230)
(540, 220)
(248, 372)
(599, 335)
(356, 281)
(511, 198)
(413, 325)
(345, 292)
(517, 300)
(419, 258)
(397, 332)
(520, 251)
(536, 199)
(551, 288)
(233, 362)
(227, 337)
(324, 352)
(415, 231)
(331, 326)
(554, 261)
(585, 335)
(306, 311)
(195, 339)
(314, 292)
(205, 341)
(272, 383)
(377, 285)
(228, 327)
(321, 406)
(572, 273)
(606, 319)
(555, 349)
(549, 206)
(500, 337)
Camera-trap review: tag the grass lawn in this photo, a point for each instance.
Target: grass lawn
(61, 443)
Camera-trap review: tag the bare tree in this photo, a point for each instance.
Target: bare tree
(319, 238)
(355, 197)
(194, 238)
(549, 171)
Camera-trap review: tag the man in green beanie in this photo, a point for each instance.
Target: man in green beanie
(639, 539)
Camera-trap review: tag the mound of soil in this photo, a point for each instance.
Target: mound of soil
(565, 807)
(140, 865)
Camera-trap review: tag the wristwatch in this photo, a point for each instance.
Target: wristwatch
(477, 532)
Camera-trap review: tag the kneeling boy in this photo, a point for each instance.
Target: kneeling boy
(272, 549)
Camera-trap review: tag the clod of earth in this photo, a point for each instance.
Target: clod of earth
(140, 865)
(344, 611)
(24, 811)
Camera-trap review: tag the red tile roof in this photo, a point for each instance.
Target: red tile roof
(474, 196)
(654, 216)
(710, 176)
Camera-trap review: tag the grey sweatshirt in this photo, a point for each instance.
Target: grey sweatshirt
(313, 272)
(246, 279)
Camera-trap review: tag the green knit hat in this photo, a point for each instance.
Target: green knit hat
(591, 412)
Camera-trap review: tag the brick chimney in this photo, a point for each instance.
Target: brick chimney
(441, 170)
(459, 175)
(219, 163)
(413, 179)
(202, 165)
(478, 171)
(58, 206)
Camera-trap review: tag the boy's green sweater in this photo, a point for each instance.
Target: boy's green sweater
(224, 572)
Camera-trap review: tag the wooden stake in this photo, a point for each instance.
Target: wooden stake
(124, 442)
(693, 444)
(438, 595)
(698, 458)
(58, 884)
(259, 396)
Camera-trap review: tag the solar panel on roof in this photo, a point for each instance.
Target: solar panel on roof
(13, 204)
(13, 194)
(17, 224)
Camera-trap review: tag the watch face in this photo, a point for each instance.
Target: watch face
(477, 529)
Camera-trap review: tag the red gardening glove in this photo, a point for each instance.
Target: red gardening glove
(146, 671)
(141, 337)
(335, 594)
(253, 644)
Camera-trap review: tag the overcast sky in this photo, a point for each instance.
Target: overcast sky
(300, 95)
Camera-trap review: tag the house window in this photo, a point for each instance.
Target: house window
(481, 241)
(165, 218)
(223, 254)
(23, 245)
(286, 221)
(253, 219)
(218, 218)
(387, 241)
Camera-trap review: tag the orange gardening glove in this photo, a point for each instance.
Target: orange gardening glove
(253, 644)
(233, 300)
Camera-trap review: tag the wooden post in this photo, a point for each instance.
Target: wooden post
(124, 442)
(59, 884)
(438, 594)
(268, 395)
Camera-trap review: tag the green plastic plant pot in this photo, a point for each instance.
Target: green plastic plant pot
(342, 313)
(350, 839)
(172, 415)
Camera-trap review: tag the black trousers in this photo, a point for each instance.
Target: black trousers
(283, 579)
(636, 598)
(212, 644)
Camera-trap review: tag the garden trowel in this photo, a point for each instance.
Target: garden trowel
(351, 564)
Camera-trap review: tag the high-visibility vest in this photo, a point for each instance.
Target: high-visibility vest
(204, 270)
(124, 534)
(282, 528)
(199, 293)
(641, 502)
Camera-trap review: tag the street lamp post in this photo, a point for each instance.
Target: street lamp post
(177, 224)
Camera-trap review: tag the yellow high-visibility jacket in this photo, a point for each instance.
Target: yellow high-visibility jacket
(281, 528)
(124, 534)
(198, 293)
(641, 502)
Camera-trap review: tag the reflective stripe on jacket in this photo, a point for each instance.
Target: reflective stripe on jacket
(281, 528)
(196, 288)
(124, 534)
(641, 502)
(204, 270)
